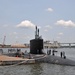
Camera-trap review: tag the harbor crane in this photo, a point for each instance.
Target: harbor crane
(4, 41)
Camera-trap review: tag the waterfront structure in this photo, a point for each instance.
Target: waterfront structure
(18, 46)
(67, 45)
(54, 44)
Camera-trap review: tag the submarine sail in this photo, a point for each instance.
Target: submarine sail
(36, 45)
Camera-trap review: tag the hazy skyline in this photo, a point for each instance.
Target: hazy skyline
(54, 18)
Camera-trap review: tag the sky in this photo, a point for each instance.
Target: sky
(54, 18)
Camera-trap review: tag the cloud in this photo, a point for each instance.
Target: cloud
(48, 26)
(60, 33)
(49, 9)
(64, 23)
(26, 24)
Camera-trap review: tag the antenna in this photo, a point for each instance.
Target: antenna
(38, 32)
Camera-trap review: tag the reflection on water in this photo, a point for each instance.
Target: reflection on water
(36, 69)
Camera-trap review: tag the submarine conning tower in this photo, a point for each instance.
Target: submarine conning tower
(36, 45)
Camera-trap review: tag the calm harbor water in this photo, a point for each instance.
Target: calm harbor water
(41, 68)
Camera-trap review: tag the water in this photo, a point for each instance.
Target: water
(41, 68)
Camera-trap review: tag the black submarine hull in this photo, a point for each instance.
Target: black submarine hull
(55, 60)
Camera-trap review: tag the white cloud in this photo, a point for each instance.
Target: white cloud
(60, 33)
(26, 24)
(48, 26)
(68, 23)
(49, 9)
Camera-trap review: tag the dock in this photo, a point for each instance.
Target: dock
(6, 60)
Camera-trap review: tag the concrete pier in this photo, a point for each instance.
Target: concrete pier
(6, 60)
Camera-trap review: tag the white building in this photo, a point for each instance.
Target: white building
(48, 44)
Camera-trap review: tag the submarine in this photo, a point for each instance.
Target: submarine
(36, 50)
(37, 54)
